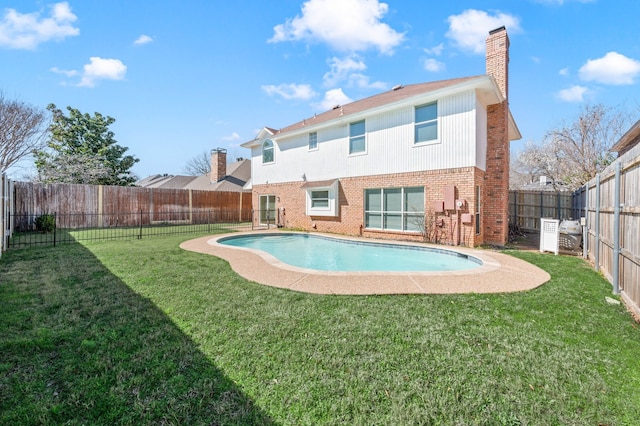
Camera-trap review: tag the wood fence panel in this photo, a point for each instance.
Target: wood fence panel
(116, 206)
(603, 228)
(527, 207)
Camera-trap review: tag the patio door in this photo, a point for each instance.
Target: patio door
(267, 209)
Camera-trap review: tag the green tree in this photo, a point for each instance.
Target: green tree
(82, 149)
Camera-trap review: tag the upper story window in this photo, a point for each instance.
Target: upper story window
(313, 141)
(426, 123)
(357, 142)
(267, 151)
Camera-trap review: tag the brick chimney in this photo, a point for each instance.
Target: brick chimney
(495, 208)
(218, 164)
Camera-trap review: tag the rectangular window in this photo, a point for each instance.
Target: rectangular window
(319, 199)
(396, 209)
(357, 142)
(313, 141)
(426, 123)
(477, 203)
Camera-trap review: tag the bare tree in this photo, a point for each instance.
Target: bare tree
(198, 165)
(574, 153)
(22, 130)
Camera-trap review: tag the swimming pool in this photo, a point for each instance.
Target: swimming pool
(334, 254)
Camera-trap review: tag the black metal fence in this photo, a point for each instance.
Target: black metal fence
(53, 229)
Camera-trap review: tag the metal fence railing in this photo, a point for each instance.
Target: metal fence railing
(53, 229)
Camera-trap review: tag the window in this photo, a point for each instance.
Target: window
(426, 123)
(320, 199)
(477, 203)
(357, 141)
(267, 151)
(397, 209)
(313, 141)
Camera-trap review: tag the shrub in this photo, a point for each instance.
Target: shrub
(45, 223)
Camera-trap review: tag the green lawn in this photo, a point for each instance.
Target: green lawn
(141, 332)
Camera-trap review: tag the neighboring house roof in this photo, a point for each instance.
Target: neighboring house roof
(165, 181)
(237, 176)
(399, 94)
(628, 140)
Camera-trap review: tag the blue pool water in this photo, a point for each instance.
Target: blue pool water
(331, 254)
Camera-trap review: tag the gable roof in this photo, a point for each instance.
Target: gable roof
(628, 140)
(397, 95)
(237, 176)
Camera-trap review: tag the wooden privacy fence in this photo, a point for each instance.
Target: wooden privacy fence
(612, 204)
(526, 208)
(6, 201)
(113, 205)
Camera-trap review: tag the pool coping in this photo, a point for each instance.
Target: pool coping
(499, 273)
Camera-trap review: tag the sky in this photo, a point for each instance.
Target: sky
(182, 77)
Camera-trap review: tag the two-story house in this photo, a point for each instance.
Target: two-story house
(394, 164)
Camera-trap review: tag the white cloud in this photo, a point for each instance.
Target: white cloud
(290, 91)
(573, 94)
(232, 137)
(332, 98)
(341, 68)
(433, 65)
(68, 73)
(435, 51)
(470, 29)
(345, 25)
(27, 30)
(102, 69)
(562, 2)
(564, 72)
(143, 39)
(613, 68)
(362, 81)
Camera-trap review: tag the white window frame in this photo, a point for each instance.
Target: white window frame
(404, 213)
(271, 148)
(419, 124)
(331, 209)
(313, 141)
(358, 136)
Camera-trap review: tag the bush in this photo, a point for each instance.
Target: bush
(45, 223)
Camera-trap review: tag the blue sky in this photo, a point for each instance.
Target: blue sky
(183, 77)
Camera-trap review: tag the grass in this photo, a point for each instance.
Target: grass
(141, 332)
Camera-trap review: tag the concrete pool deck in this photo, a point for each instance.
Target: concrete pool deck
(500, 273)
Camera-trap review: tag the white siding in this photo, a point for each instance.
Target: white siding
(390, 147)
(481, 136)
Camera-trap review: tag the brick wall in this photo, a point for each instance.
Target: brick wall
(496, 188)
(291, 201)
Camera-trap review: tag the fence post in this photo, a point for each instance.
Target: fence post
(585, 232)
(209, 220)
(253, 217)
(596, 249)
(140, 233)
(616, 231)
(55, 226)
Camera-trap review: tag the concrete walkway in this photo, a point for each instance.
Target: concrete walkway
(499, 273)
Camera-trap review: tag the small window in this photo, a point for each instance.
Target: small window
(267, 151)
(426, 123)
(357, 142)
(313, 141)
(319, 199)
